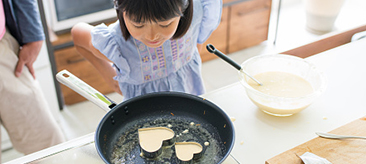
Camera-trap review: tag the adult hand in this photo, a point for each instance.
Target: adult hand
(27, 56)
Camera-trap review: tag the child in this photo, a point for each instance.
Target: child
(154, 46)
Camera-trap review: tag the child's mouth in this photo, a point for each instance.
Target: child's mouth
(153, 42)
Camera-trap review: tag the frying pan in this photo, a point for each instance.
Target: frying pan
(116, 137)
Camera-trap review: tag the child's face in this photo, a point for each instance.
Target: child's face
(153, 34)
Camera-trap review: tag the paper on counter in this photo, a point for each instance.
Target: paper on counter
(310, 158)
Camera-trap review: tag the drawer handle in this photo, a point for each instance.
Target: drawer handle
(75, 61)
(252, 11)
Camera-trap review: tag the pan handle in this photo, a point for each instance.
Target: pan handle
(85, 90)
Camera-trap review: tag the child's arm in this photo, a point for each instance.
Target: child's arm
(83, 44)
(199, 47)
(82, 39)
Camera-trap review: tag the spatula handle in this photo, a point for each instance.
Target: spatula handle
(212, 49)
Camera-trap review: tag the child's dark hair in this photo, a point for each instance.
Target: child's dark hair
(155, 10)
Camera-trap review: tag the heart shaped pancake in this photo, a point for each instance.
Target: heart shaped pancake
(186, 151)
(152, 139)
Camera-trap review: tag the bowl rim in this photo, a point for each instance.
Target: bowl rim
(311, 65)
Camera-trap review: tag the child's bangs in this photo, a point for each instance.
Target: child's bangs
(152, 10)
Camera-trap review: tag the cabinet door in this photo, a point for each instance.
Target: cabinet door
(249, 23)
(218, 38)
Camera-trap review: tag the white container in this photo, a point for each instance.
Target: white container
(321, 14)
(276, 105)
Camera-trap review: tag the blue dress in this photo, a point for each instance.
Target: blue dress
(174, 66)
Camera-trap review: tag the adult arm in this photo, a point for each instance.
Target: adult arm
(31, 30)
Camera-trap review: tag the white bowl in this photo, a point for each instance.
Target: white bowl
(276, 105)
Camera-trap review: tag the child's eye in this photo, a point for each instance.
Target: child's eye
(139, 26)
(165, 26)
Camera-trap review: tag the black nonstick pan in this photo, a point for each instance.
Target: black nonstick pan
(192, 118)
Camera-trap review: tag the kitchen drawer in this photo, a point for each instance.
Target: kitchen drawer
(249, 24)
(70, 60)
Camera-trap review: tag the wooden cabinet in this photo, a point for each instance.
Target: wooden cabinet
(248, 24)
(244, 23)
(69, 59)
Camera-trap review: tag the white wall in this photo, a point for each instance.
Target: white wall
(44, 77)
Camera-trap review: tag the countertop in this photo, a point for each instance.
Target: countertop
(260, 136)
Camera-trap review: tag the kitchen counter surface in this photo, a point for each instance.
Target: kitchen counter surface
(260, 136)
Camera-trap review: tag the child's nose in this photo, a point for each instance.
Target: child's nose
(152, 34)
